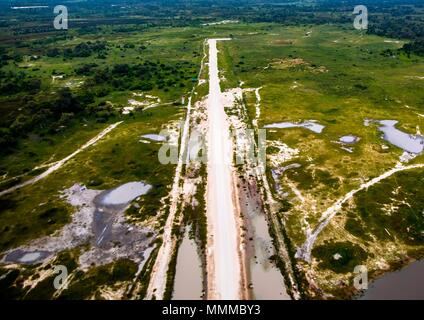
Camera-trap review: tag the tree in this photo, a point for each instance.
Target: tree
(7, 140)
(66, 102)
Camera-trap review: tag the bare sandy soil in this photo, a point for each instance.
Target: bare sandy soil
(223, 260)
(102, 226)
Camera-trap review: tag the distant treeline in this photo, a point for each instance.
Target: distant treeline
(392, 18)
(416, 47)
(34, 110)
(44, 117)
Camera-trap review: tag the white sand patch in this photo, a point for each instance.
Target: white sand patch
(337, 256)
(74, 83)
(284, 153)
(127, 110)
(219, 22)
(54, 78)
(136, 103)
(295, 85)
(415, 77)
(149, 101)
(114, 292)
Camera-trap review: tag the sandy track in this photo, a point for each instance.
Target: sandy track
(157, 284)
(57, 165)
(223, 260)
(158, 278)
(304, 252)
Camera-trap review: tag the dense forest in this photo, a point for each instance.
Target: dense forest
(393, 18)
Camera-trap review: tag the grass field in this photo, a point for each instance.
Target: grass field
(339, 77)
(332, 74)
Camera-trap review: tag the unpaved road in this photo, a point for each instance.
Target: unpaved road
(57, 165)
(223, 259)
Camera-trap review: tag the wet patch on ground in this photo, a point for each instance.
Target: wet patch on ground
(98, 223)
(347, 142)
(147, 138)
(311, 125)
(411, 143)
(27, 257)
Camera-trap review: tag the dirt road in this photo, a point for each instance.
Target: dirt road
(223, 260)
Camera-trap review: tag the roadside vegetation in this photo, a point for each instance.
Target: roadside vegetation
(60, 89)
(338, 77)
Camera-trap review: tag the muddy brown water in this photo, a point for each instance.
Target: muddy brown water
(407, 283)
(266, 278)
(188, 275)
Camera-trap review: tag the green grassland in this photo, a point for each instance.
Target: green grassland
(119, 157)
(83, 284)
(178, 50)
(116, 159)
(339, 77)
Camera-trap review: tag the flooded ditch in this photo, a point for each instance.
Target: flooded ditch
(188, 284)
(266, 280)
